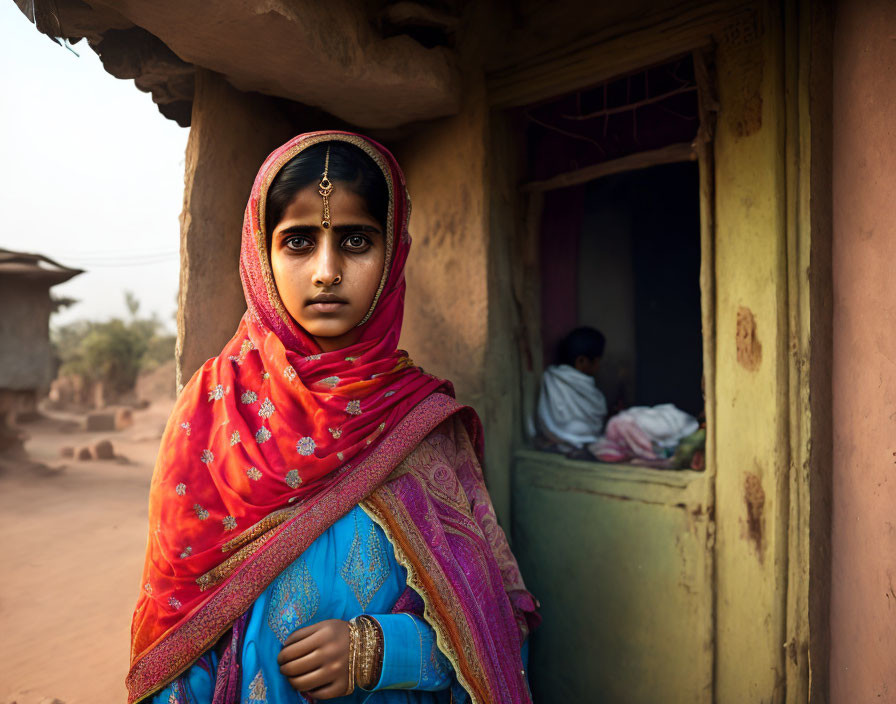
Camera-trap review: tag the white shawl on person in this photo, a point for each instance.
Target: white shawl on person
(571, 409)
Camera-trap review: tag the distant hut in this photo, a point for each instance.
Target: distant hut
(26, 358)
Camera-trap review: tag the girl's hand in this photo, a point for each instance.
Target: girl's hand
(315, 659)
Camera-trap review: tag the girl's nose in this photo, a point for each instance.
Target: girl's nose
(328, 264)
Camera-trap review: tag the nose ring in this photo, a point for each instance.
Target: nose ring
(337, 279)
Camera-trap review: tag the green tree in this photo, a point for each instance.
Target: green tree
(133, 305)
(115, 351)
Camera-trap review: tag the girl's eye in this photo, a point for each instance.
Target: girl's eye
(356, 243)
(297, 242)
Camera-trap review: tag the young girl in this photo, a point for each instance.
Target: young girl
(319, 525)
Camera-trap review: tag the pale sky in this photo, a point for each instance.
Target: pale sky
(91, 174)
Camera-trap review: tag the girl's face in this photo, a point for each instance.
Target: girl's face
(327, 278)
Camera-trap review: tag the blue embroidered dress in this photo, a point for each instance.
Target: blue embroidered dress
(349, 570)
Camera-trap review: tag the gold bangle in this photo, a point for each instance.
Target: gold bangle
(367, 660)
(370, 656)
(379, 651)
(359, 659)
(360, 677)
(369, 650)
(352, 655)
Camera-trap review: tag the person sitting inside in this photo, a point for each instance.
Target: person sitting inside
(571, 409)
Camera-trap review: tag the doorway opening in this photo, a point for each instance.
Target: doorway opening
(635, 262)
(619, 245)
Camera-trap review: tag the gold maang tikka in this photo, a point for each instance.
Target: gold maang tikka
(325, 188)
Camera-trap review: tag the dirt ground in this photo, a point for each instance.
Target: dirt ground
(73, 537)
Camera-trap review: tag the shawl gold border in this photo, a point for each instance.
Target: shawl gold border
(409, 551)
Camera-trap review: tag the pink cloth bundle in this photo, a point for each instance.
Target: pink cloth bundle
(644, 434)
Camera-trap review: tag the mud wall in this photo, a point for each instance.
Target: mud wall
(863, 583)
(453, 325)
(231, 134)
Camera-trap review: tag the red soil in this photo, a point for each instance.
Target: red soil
(74, 534)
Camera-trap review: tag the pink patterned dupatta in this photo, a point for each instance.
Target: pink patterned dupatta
(274, 440)
(438, 515)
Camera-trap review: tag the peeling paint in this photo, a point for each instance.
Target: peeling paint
(749, 348)
(754, 499)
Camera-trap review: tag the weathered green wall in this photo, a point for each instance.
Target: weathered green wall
(618, 559)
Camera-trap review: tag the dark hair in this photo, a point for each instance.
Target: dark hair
(586, 342)
(349, 165)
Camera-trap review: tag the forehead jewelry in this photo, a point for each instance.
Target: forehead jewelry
(325, 188)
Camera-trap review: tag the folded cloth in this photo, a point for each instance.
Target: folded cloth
(643, 433)
(571, 409)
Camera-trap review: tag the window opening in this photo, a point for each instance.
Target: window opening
(621, 254)
(639, 112)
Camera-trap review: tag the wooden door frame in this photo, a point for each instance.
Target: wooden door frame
(801, 32)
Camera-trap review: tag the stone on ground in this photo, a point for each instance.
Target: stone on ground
(103, 450)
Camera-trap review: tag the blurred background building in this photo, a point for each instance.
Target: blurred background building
(27, 362)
